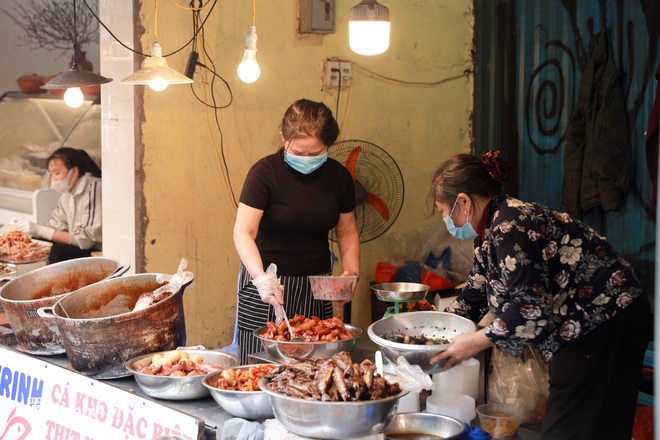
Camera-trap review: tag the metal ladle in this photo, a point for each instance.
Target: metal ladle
(293, 338)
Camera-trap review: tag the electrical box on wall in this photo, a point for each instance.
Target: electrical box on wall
(317, 17)
(337, 73)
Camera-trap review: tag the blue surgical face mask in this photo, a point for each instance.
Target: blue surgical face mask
(465, 232)
(305, 164)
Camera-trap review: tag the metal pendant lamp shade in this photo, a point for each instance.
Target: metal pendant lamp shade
(155, 72)
(75, 77)
(369, 28)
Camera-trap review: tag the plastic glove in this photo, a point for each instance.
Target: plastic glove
(269, 287)
(240, 429)
(30, 228)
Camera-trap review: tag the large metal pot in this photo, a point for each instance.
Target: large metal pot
(24, 295)
(101, 332)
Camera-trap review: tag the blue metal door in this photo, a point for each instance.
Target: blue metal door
(551, 44)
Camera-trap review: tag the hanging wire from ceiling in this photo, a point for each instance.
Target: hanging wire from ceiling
(148, 54)
(209, 92)
(208, 64)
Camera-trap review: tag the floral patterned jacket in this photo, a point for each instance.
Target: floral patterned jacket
(547, 279)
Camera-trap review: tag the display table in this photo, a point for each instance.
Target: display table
(45, 395)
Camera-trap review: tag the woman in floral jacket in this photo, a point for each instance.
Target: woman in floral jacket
(551, 282)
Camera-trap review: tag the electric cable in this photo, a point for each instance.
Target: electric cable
(208, 66)
(215, 74)
(198, 30)
(189, 8)
(144, 54)
(346, 105)
(466, 73)
(338, 95)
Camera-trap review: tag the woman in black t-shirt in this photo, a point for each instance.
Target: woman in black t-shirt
(290, 201)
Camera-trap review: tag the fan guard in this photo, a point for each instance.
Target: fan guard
(378, 186)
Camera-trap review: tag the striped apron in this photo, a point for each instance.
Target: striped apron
(252, 313)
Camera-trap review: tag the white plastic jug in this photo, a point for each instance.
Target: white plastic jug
(458, 406)
(461, 379)
(409, 403)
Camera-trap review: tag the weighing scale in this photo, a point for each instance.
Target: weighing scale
(399, 293)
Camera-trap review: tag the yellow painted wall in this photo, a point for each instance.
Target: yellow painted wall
(187, 208)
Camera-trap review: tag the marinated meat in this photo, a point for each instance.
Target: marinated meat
(310, 329)
(176, 363)
(16, 246)
(334, 379)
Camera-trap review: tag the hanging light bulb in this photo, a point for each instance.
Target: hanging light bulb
(73, 97)
(248, 70)
(158, 84)
(155, 73)
(73, 79)
(369, 28)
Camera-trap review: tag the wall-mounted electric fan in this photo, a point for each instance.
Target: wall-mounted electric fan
(378, 186)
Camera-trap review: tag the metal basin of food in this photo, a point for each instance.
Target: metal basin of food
(178, 387)
(281, 351)
(244, 404)
(424, 426)
(101, 332)
(400, 291)
(430, 324)
(24, 295)
(332, 420)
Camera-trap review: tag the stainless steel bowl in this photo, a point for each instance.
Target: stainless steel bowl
(422, 424)
(281, 351)
(430, 324)
(243, 404)
(178, 388)
(400, 291)
(332, 420)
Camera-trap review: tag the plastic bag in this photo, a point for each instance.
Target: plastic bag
(435, 250)
(411, 377)
(241, 429)
(520, 381)
(475, 433)
(174, 283)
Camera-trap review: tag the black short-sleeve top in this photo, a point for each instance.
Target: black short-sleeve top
(299, 211)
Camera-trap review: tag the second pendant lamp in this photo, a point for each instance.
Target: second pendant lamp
(154, 71)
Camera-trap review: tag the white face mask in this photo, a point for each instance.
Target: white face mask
(63, 185)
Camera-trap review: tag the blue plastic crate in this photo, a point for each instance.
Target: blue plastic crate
(645, 399)
(648, 355)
